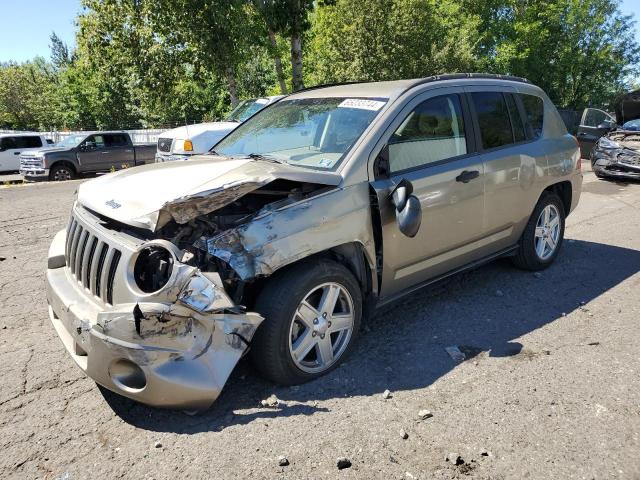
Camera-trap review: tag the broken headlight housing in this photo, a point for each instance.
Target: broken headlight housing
(152, 268)
(608, 144)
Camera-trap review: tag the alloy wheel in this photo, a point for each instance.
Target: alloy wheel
(547, 232)
(62, 174)
(321, 328)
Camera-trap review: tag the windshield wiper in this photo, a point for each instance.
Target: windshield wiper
(267, 158)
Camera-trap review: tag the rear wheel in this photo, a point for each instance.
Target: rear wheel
(543, 235)
(312, 316)
(61, 172)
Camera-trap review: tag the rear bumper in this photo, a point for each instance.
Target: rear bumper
(162, 354)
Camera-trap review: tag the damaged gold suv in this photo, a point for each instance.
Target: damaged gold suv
(323, 205)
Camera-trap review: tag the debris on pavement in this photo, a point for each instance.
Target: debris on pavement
(454, 459)
(386, 394)
(283, 461)
(157, 445)
(343, 462)
(455, 353)
(403, 434)
(537, 274)
(271, 401)
(499, 293)
(424, 414)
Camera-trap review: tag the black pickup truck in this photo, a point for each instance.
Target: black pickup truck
(89, 152)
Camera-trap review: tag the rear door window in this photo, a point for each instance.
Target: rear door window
(433, 132)
(534, 110)
(28, 142)
(493, 119)
(115, 140)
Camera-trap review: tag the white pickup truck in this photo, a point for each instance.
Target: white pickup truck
(13, 144)
(184, 142)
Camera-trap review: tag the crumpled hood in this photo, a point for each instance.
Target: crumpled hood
(151, 195)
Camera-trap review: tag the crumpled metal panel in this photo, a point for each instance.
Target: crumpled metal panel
(283, 236)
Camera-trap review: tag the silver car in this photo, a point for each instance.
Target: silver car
(324, 205)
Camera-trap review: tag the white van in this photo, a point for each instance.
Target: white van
(183, 142)
(13, 144)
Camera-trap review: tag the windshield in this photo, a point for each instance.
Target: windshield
(310, 132)
(633, 125)
(71, 141)
(247, 108)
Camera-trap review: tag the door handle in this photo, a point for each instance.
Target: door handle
(467, 175)
(582, 134)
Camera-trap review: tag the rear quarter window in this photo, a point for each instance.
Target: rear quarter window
(493, 119)
(534, 111)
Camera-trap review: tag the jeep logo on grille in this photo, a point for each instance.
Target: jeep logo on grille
(113, 204)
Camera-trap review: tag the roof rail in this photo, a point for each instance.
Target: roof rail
(458, 76)
(420, 81)
(325, 85)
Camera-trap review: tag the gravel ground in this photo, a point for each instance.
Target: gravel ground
(550, 388)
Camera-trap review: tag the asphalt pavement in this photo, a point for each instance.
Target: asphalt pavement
(549, 388)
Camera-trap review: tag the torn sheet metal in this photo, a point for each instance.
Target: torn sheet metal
(205, 295)
(280, 237)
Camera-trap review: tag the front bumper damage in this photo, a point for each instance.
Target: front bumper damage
(174, 353)
(616, 162)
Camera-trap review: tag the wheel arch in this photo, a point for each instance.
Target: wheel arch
(564, 191)
(63, 162)
(352, 255)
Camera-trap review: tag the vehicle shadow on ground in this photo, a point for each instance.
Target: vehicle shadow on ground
(402, 346)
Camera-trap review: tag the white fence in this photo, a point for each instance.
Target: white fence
(137, 136)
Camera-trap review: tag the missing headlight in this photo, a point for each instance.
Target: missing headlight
(153, 268)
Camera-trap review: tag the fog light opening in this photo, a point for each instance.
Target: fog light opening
(127, 375)
(153, 268)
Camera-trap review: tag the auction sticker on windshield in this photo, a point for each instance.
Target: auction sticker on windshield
(362, 103)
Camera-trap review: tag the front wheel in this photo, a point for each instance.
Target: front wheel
(312, 316)
(61, 172)
(543, 235)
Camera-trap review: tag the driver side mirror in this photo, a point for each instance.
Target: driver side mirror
(408, 209)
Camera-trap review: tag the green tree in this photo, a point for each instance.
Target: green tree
(391, 39)
(289, 18)
(27, 95)
(581, 52)
(214, 35)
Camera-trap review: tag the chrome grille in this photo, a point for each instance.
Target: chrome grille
(91, 261)
(164, 144)
(30, 163)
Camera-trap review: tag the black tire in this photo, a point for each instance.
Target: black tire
(526, 257)
(278, 302)
(61, 172)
